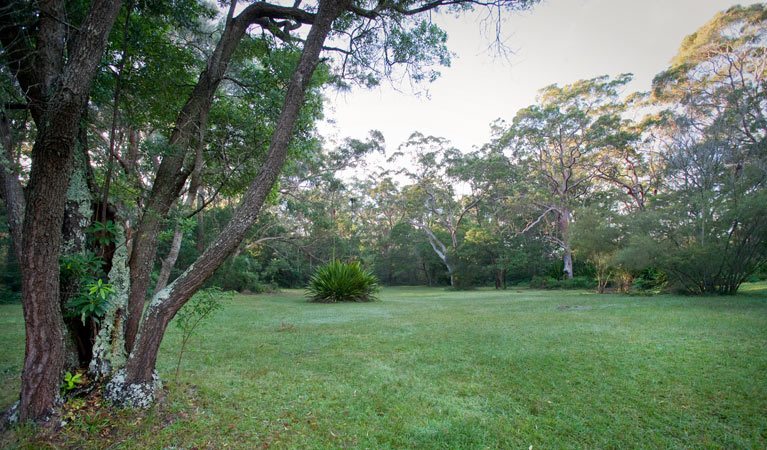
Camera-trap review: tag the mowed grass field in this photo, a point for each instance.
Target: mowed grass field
(429, 368)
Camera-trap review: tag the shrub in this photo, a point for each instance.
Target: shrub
(577, 283)
(240, 273)
(8, 295)
(651, 281)
(342, 282)
(543, 282)
(760, 274)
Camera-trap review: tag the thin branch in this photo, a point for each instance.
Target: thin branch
(534, 223)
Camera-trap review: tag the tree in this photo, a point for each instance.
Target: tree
(560, 142)
(597, 237)
(57, 90)
(710, 221)
(53, 49)
(379, 213)
(432, 198)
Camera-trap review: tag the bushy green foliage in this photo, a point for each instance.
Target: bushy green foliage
(342, 282)
(650, 281)
(700, 253)
(240, 273)
(759, 275)
(581, 268)
(10, 271)
(544, 282)
(102, 233)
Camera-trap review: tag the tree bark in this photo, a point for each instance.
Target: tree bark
(109, 346)
(45, 331)
(439, 248)
(135, 386)
(564, 230)
(131, 157)
(57, 113)
(200, 224)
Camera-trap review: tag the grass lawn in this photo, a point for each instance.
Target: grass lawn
(428, 368)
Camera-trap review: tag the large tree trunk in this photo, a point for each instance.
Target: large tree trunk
(45, 330)
(58, 93)
(136, 384)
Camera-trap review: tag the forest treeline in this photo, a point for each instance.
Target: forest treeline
(635, 192)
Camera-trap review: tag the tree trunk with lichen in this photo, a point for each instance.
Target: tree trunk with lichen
(57, 81)
(78, 215)
(109, 346)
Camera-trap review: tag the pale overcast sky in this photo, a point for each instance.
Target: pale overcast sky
(559, 41)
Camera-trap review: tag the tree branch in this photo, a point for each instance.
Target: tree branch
(536, 221)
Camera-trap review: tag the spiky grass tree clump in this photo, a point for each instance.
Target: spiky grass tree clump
(342, 282)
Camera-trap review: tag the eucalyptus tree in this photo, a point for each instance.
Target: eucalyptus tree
(317, 210)
(560, 143)
(716, 84)
(597, 237)
(487, 184)
(53, 49)
(383, 237)
(710, 220)
(433, 202)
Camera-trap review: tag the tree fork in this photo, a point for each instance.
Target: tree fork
(171, 175)
(134, 386)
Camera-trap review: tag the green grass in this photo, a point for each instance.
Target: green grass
(428, 368)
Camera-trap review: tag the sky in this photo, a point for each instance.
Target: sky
(558, 41)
